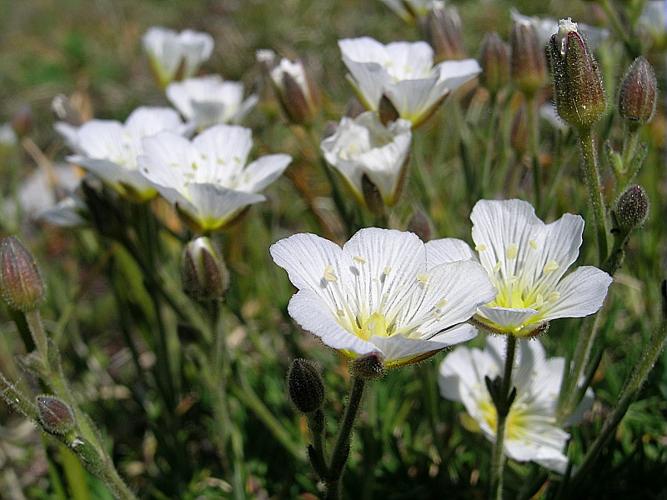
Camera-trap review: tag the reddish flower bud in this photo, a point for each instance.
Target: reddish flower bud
(528, 64)
(638, 95)
(203, 271)
(22, 121)
(21, 283)
(578, 90)
(442, 30)
(55, 415)
(368, 367)
(631, 208)
(495, 61)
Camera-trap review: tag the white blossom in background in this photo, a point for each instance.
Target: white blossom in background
(549, 114)
(531, 432)
(207, 179)
(296, 92)
(8, 137)
(404, 73)
(381, 294)
(68, 213)
(175, 56)
(526, 260)
(545, 27)
(109, 149)
(364, 146)
(209, 100)
(653, 19)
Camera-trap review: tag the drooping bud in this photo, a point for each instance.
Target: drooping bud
(519, 132)
(442, 30)
(631, 208)
(21, 283)
(22, 121)
(387, 111)
(578, 91)
(368, 367)
(638, 95)
(203, 271)
(296, 92)
(494, 58)
(420, 224)
(55, 415)
(528, 64)
(305, 386)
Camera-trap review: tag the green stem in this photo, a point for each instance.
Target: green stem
(341, 449)
(627, 396)
(34, 321)
(491, 139)
(534, 149)
(502, 410)
(592, 174)
(316, 426)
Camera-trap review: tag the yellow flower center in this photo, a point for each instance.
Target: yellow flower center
(514, 424)
(374, 325)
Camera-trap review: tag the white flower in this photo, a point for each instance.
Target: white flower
(109, 149)
(174, 56)
(526, 260)
(531, 431)
(68, 212)
(8, 137)
(653, 18)
(405, 73)
(209, 100)
(549, 114)
(207, 179)
(545, 27)
(380, 293)
(297, 94)
(363, 146)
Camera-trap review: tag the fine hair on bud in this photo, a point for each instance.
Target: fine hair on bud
(55, 415)
(368, 367)
(21, 283)
(203, 271)
(638, 94)
(632, 208)
(305, 386)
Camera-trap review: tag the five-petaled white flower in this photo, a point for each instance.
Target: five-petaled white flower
(531, 431)
(109, 149)
(527, 261)
(380, 293)
(404, 73)
(207, 179)
(209, 100)
(173, 55)
(363, 146)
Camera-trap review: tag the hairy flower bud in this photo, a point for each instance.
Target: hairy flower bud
(631, 208)
(519, 132)
(55, 415)
(637, 98)
(442, 30)
(305, 386)
(296, 92)
(369, 367)
(203, 271)
(494, 58)
(528, 64)
(21, 283)
(578, 90)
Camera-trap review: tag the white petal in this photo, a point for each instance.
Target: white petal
(102, 139)
(229, 143)
(409, 60)
(453, 74)
(264, 171)
(581, 293)
(70, 135)
(216, 205)
(146, 121)
(507, 317)
(415, 99)
(113, 174)
(166, 156)
(447, 250)
(314, 315)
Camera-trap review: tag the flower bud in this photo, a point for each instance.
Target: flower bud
(55, 415)
(528, 64)
(372, 196)
(305, 386)
(495, 61)
(296, 92)
(203, 271)
(442, 30)
(368, 367)
(637, 98)
(578, 90)
(22, 121)
(420, 224)
(21, 283)
(631, 208)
